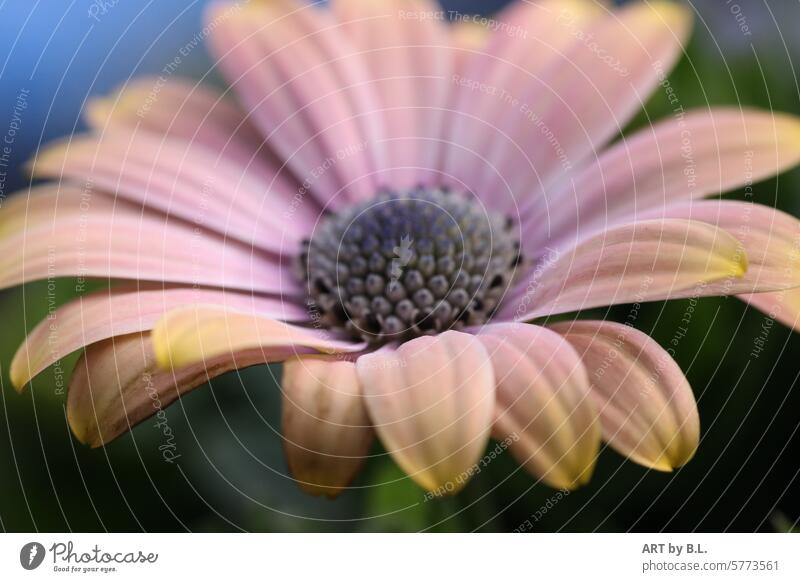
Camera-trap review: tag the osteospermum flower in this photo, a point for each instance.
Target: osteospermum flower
(384, 201)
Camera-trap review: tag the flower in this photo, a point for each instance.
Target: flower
(384, 201)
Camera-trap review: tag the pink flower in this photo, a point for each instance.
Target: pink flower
(383, 201)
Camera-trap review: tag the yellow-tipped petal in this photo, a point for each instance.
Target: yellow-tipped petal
(327, 433)
(544, 412)
(116, 385)
(646, 260)
(677, 16)
(646, 406)
(783, 306)
(432, 402)
(195, 334)
(18, 372)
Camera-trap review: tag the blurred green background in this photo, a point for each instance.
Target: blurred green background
(232, 475)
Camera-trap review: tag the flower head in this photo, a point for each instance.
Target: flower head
(403, 265)
(384, 202)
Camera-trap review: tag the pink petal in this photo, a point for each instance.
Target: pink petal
(699, 154)
(585, 94)
(115, 312)
(491, 89)
(783, 306)
(432, 402)
(187, 181)
(409, 63)
(295, 72)
(193, 112)
(647, 409)
(543, 405)
(197, 333)
(116, 385)
(768, 237)
(324, 422)
(645, 261)
(467, 38)
(63, 231)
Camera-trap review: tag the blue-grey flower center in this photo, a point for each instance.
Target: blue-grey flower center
(408, 264)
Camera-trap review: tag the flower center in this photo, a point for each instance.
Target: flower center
(408, 264)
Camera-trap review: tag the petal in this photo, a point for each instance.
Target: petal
(467, 38)
(295, 71)
(116, 384)
(432, 402)
(190, 111)
(543, 404)
(783, 306)
(115, 312)
(770, 239)
(406, 51)
(493, 86)
(588, 91)
(64, 231)
(185, 180)
(647, 409)
(697, 154)
(327, 433)
(645, 261)
(191, 335)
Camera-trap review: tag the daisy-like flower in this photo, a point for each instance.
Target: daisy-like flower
(385, 201)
